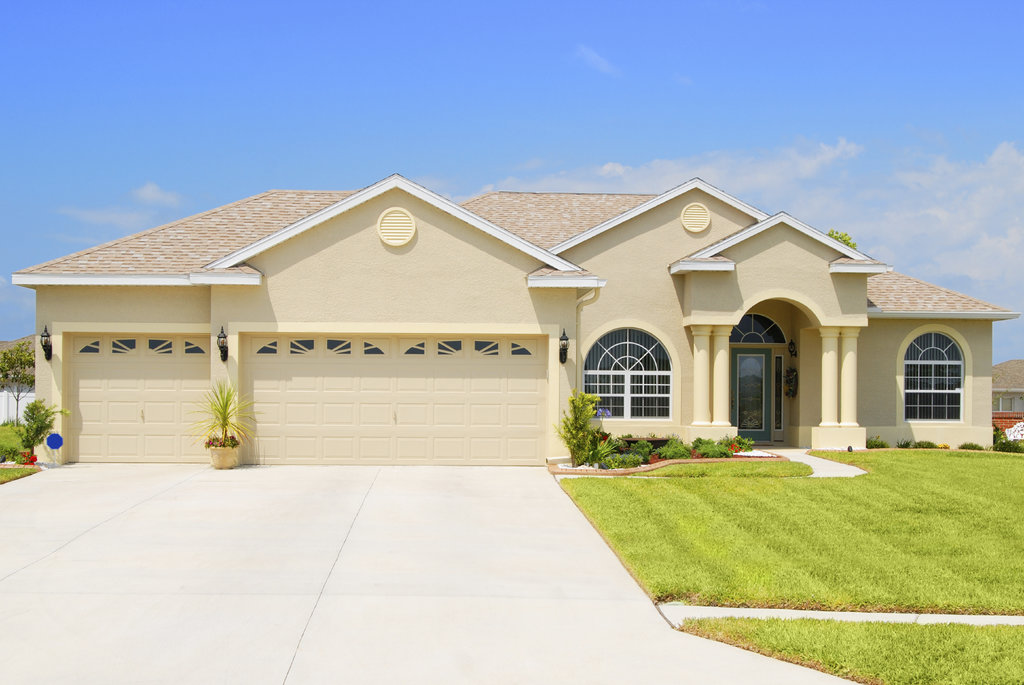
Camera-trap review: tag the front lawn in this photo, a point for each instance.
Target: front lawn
(8, 438)
(924, 530)
(7, 475)
(738, 469)
(889, 653)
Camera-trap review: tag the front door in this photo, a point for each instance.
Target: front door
(751, 393)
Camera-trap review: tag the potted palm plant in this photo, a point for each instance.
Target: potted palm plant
(224, 423)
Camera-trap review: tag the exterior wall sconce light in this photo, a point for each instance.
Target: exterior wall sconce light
(792, 348)
(563, 347)
(222, 344)
(44, 340)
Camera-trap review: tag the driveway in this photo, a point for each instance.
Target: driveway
(181, 574)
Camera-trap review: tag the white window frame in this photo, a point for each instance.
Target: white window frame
(959, 392)
(626, 375)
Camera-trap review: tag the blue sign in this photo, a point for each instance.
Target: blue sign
(54, 441)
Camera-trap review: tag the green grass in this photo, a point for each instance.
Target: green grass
(7, 475)
(887, 653)
(924, 530)
(738, 469)
(8, 437)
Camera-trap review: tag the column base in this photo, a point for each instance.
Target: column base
(838, 437)
(711, 432)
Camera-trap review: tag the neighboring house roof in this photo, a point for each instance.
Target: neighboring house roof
(894, 294)
(1008, 375)
(547, 219)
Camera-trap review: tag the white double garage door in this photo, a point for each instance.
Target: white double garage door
(319, 399)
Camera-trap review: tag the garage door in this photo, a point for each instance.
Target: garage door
(132, 397)
(397, 400)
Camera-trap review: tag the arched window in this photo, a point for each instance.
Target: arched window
(758, 330)
(933, 372)
(630, 371)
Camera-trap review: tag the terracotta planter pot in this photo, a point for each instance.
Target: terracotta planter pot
(223, 457)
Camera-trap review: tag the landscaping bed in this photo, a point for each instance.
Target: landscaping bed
(590, 470)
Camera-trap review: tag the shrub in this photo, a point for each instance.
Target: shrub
(970, 446)
(925, 445)
(904, 444)
(629, 460)
(642, 448)
(740, 443)
(1016, 446)
(675, 449)
(9, 453)
(709, 449)
(618, 445)
(26, 459)
(876, 443)
(579, 437)
(38, 422)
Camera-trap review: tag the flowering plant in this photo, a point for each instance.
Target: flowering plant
(222, 441)
(26, 458)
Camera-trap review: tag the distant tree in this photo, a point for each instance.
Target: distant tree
(18, 373)
(842, 237)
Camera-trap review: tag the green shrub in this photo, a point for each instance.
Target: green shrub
(38, 422)
(742, 444)
(710, 449)
(904, 444)
(1005, 445)
(618, 445)
(9, 453)
(601, 451)
(579, 437)
(642, 448)
(876, 443)
(970, 446)
(629, 460)
(675, 449)
(925, 445)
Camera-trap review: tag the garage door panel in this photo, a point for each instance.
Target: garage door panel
(137, 406)
(450, 404)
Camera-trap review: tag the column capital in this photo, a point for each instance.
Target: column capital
(850, 331)
(701, 329)
(721, 330)
(828, 331)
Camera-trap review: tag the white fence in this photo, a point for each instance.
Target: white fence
(8, 412)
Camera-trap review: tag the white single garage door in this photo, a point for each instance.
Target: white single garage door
(341, 399)
(132, 397)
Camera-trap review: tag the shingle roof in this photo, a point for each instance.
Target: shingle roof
(1008, 374)
(547, 219)
(896, 292)
(187, 245)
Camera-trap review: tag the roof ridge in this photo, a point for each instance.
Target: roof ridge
(148, 231)
(944, 289)
(557, 192)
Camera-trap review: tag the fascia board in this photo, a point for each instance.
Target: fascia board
(686, 266)
(991, 316)
(775, 220)
(565, 282)
(99, 279)
(859, 268)
(202, 278)
(693, 183)
(375, 190)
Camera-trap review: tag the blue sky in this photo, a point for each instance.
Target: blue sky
(899, 123)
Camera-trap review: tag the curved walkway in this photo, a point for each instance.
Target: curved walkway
(823, 468)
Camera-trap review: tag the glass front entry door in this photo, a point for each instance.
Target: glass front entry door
(751, 393)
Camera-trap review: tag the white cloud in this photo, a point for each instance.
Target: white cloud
(152, 194)
(125, 219)
(595, 61)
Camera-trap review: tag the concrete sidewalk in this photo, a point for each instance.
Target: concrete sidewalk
(182, 574)
(823, 468)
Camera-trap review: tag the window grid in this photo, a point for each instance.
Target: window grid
(932, 379)
(631, 372)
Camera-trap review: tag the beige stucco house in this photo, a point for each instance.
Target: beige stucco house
(392, 325)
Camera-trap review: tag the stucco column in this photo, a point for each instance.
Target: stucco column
(701, 373)
(720, 375)
(848, 376)
(829, 375)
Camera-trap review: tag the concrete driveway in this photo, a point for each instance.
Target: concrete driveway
(181, 574)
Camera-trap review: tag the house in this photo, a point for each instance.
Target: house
(10, 406)
(392, 325)
(1008, 393)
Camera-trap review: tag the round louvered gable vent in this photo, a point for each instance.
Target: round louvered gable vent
(695, 217)
(396, 227)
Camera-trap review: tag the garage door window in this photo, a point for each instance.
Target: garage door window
(122, 345)
(449, 348)
(92, 347)
(416, 348)
(161, 346)
(301, 346)
(630, 371)
(193, 348)
(486, 348)
(373, 348)
(268, 348)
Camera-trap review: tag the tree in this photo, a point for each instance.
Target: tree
(842, 237)
(18, 373)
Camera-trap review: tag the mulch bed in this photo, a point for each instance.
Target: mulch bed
(559, 471)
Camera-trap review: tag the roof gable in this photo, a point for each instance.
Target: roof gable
(657, 201)
(392, 182)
